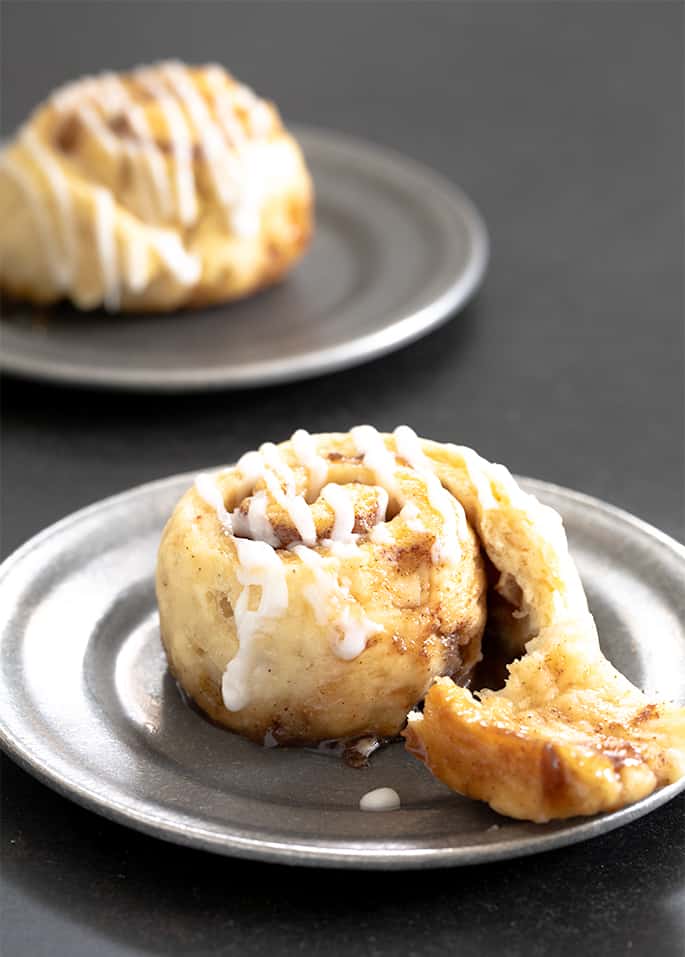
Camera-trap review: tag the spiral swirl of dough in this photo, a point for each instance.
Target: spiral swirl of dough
(315, 590)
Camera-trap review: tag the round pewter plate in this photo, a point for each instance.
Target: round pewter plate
(396, 251)
(87, 705)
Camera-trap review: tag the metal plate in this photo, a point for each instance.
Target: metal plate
(397, 250)
(87, 705)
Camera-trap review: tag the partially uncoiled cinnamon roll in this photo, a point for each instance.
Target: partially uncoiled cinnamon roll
(318, 588)
(167, 186)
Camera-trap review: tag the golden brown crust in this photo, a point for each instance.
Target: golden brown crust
(567, 734)
(430, 617)
(214, 226)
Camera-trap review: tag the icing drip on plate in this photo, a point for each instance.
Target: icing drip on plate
(380, 799)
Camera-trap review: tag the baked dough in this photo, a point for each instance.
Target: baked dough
(568, 734)
(165, 187)
(314, 591)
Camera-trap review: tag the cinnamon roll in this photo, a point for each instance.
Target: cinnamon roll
(321, 588)
(165, 187)
(314, 590)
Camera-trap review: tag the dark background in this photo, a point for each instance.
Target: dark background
(564, 122)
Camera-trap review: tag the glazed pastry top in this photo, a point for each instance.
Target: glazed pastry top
(319, 498)
(187, 152)
(295, 506)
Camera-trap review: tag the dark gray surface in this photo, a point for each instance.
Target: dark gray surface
(564, 122)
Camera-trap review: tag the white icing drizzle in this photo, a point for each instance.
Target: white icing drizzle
(251, 466)
(474, 469)
(246, 215)
(212, 142)
(272, 457)
(341, 549)
(57, 181)
(446, 547)
(61, 250)
(316, 466)
(258, 524)
(207, 489)
(269, 466)
(255, 523)
(68, 95)
(343, 512)
(99, 131)
(318, 595)
(154, 159)
(113, 95)
(34, 201)
(109, 93)
(105, 241)
(258, 112)
(369, 443)
(181, 145)
(185, 267)
(383, 464)
(241, 523)
(136, 262)
(381, 535)
(356, 631)
(295, 506)
(259, 565)
(377, 457)
(63, 255)
(224, 108)
(327, 591)
(380, 799)
(410, 516)
(237, 185)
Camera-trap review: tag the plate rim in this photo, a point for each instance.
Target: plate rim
(407, 328)
(185, 832)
